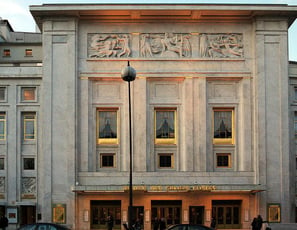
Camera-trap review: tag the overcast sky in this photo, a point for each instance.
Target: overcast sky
(18, 14)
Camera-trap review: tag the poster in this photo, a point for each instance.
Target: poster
(59, 213)
(12, 215)
(274, 213)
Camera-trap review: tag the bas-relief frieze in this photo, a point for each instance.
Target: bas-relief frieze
(221, 45)
(166, 45)
(109, 45)
(29, 185)
(2, 184)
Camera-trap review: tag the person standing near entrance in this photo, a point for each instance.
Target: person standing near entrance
(213, 223)
(257, 223)
(110, 222)
(162, 224)
(3, 222)
(156, 223)
(254, 224)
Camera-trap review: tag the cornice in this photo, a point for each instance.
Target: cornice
(156, 12)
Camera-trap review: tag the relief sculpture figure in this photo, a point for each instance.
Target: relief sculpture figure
(125, 50)
(171, 44)
(204, 44)
(165, 45)
(145, 47)
(221, 45)
(109, 45)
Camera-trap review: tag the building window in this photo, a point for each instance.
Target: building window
(295, 94)
(223, 127)
(28, 94)
(6, 53)
(28, 53)
(2, 126)
(29, 126)
(2, 94)
(166, 160)
(1, 163)
(165, 126)
(29, 163)
(107, 160)
(107, 126)
(295, 124)
(223, 160)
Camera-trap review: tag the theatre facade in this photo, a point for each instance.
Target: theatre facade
(212, 126)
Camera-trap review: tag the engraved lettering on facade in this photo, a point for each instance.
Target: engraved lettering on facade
(109, 45)
(156, 188)
(203, 188)
(165, 45)
(221, 45)
(135, 188)
(178, 188)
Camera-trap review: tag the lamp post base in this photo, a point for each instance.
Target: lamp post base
(130, 217)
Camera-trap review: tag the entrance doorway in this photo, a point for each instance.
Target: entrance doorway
(27, 215)
(168, 210)
(138, 214)
(100, 209)
(196, 214)
(226, 213)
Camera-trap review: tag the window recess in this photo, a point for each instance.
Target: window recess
(165, 160)
(107, 160)
(29, 126)
(107, 126)
(28, 94)
(223, 125)
(223, 160)
(165, 126)
(2, 125)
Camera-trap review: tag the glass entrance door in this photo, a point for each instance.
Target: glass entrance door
(169, 211)
(196, 214)
(226, 214)
(100, 210)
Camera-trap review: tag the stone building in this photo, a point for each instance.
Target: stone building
(212, 119)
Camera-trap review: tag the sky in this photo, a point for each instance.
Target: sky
(18, 14)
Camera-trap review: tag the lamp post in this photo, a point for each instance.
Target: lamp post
(129, 74)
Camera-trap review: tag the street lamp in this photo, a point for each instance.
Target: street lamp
(129, 74)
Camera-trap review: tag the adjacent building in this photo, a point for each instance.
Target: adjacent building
(213, 108)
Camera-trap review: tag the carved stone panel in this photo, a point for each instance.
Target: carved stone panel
(221, 45)
(161, 91)
(2, 184)
(165, 45)
(222, 90)
(109, 45)
(107, 91)
(28, 187)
